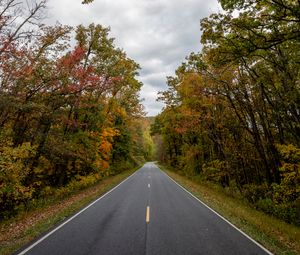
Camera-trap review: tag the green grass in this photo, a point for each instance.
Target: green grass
(26, 226)
(276, 235)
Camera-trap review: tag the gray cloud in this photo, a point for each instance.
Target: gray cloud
(158, 34)
(156, 79)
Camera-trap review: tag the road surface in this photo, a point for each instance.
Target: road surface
(146, 214)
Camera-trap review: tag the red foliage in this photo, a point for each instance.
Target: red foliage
(72, 59)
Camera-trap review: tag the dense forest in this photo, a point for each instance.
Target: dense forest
(232, 113)
(70, 112)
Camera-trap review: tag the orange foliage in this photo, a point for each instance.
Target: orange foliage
(106, 146)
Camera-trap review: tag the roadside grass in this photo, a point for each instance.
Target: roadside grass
(276, 235)
(26, 226)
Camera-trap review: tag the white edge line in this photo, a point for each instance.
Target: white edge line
(74, 216)
(243, 233)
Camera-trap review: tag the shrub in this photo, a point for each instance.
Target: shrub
(266, 205)
(289, 188)
(254, 192)
(12, 173)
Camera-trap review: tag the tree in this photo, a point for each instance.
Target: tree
(67, 113)
(232, 111)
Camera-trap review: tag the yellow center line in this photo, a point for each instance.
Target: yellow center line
(148, 214)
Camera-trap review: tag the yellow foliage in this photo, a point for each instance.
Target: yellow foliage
(121, 112)
(12, 173)
(106, 141)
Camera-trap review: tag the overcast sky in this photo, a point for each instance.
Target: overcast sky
(157, 34)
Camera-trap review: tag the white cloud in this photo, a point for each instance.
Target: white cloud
(157, 34)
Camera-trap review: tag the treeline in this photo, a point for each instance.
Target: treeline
(69, 115)
(232, 112)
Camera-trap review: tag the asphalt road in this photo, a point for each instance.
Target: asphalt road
(146, 214)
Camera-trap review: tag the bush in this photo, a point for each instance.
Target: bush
(13, 171)
(289, 188)
(254, 193)
(266, 205)
(78, 183)
(287, 212)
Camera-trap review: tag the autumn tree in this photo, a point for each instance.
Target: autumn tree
(233, 109)
(69, 115)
